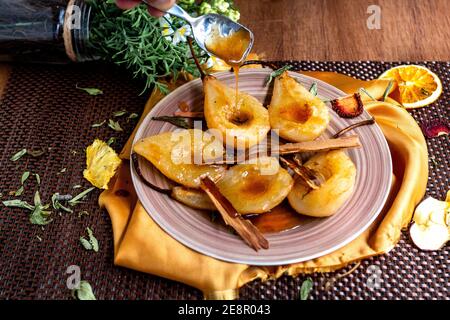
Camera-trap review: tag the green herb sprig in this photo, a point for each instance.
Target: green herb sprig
(277, 73)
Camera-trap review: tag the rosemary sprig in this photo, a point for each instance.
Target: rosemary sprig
(277, 73)
(134, 39)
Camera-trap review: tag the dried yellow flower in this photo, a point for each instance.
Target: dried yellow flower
(102, 162)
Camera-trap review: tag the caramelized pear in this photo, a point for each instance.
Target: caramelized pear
(339, 173)
(194, 198)
(176, 153)
(241, 124)
(256, 188)
(295, 112)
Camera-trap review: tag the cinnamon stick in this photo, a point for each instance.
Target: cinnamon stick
(321, 145)
(312, 178)
(248, 232)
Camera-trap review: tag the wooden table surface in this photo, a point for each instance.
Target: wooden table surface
(337, 29)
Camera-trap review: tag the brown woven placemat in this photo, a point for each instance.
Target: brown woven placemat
(41, 108)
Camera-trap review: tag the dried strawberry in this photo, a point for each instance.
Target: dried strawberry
(348, 107)
(435, 128)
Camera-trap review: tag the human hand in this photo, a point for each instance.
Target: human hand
(156, 7)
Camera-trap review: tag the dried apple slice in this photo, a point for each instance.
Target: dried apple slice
(430, 230)
(349, 106)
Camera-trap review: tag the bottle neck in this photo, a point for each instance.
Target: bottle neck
(76, 30)
(45, 31)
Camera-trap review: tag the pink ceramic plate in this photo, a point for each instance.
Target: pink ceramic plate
(314, 238)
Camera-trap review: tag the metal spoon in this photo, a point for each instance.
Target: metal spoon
(204, 26)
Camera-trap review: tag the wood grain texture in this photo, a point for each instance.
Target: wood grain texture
(337, 29)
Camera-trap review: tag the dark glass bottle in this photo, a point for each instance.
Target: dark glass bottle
(50, 31)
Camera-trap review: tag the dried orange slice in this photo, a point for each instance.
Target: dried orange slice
(417, 86)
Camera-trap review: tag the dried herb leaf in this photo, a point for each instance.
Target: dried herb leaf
(76, 200)
(111, 141)
(119, 113)
(19, 155)
(91, 243)
(313, 89)
(37, 199)
(85, 243)
(83, 213)
(114, 125)
(92, 239)
(277, 73)
(133, 116)
(57, 205)
(176, 121)
(96, 125)
(91, 91)
(36, 153)
(19, 191)
(84, 292)
(25, 176)
(16, 203)
(306, 288)
(40, 214)
(38, 178)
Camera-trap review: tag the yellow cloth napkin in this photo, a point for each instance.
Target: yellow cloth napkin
(140, 244)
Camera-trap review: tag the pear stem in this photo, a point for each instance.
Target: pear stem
(199, 67)
(353, 126)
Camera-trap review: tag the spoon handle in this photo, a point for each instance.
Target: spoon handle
(177, 11)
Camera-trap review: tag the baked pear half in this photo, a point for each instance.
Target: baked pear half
(242, 123)
(295, 112)
(176, 154)
(256, 188)
(339, 173)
